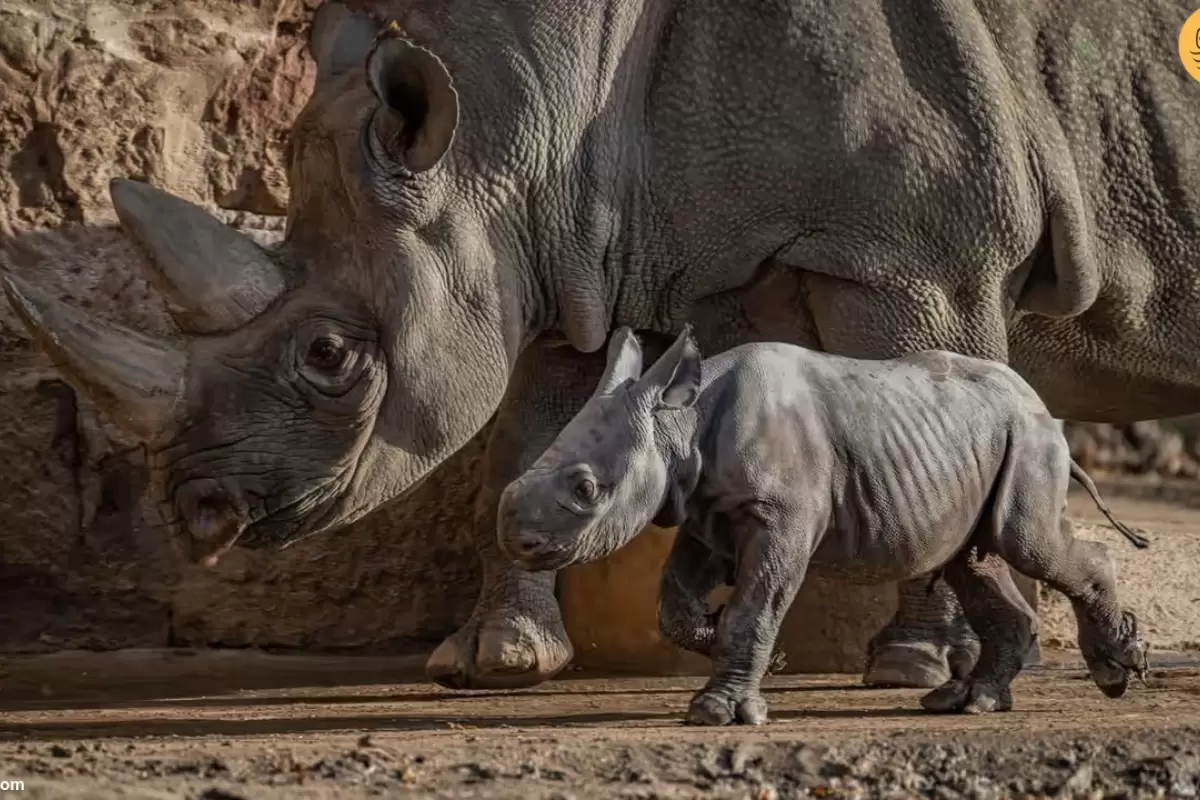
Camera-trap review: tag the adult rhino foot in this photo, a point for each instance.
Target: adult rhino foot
(919, 659)
(968, 697)
(721, 707)
(919, 665)
(494, 652)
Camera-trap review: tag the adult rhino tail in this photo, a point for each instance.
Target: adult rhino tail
(1139, 541)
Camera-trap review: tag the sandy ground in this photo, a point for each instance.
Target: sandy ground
(226, 725)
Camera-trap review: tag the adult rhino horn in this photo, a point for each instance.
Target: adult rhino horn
(214, 278)
(135, 380)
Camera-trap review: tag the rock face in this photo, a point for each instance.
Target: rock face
(197, 97)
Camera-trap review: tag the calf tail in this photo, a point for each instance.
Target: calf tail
(1139, 541)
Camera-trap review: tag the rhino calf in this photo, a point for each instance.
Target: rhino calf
(776, 461)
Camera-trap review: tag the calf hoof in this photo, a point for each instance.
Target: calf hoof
(967, 697)
(1111, 664)
(1112, 677)
(713, 707)
(918, 665)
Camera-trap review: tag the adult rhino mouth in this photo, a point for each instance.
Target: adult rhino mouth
(263, 534)
(214, 517)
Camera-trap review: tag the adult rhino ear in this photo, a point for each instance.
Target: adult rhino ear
(675, 377)
(340, 39)
(624, 361)
(418, 106)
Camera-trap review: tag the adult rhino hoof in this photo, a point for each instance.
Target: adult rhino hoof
(915, 665)
(509, 653)
(967, 697)
(715, 707)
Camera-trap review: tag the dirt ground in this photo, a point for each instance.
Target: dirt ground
(244, 724)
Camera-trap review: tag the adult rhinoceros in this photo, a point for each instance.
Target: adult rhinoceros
(482, 194)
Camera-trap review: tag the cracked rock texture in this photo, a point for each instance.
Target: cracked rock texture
(197, 97)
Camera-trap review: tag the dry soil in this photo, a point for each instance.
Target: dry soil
(244, 724)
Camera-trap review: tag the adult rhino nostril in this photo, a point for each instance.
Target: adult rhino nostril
(212, 518)
(207, 520)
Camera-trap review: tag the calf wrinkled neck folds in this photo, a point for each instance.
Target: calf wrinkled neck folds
(627, 459)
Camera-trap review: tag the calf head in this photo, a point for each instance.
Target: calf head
(625, 460)
(317, 379)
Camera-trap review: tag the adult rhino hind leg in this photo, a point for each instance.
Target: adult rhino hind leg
(927, 643)
(515, 636)
(929, 640)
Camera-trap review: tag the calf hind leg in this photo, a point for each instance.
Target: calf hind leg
(1006, 627)
(1084, 572)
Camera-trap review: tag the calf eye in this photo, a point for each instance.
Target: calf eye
(326, 353)
(585, 491)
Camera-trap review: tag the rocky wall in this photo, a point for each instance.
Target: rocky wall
(197, 97)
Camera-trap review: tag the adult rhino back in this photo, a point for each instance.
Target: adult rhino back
(483, 191)
(1116, 151)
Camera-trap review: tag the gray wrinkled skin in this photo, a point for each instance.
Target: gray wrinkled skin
(780, 461)
(476, 205)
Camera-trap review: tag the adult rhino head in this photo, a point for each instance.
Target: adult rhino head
(319, 378)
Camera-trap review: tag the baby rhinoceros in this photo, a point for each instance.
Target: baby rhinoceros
(776, 461)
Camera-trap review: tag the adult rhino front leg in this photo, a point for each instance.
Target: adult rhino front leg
(929, 640)
(515, 637)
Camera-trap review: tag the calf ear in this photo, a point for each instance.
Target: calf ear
(676, 375)
(418, 106)
(624, 361)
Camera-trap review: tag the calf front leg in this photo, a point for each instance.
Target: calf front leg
(772, 557)
(691, 573)
(515, 636)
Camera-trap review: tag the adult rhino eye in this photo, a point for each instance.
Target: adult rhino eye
(326, 352)
(586, 491)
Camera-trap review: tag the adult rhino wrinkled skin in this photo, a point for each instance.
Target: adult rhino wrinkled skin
(480, 196)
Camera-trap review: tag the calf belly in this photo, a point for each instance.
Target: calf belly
(886, 555)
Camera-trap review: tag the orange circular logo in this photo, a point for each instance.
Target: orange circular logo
(1189, 45)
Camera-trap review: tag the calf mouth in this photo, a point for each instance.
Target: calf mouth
(553, 557)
